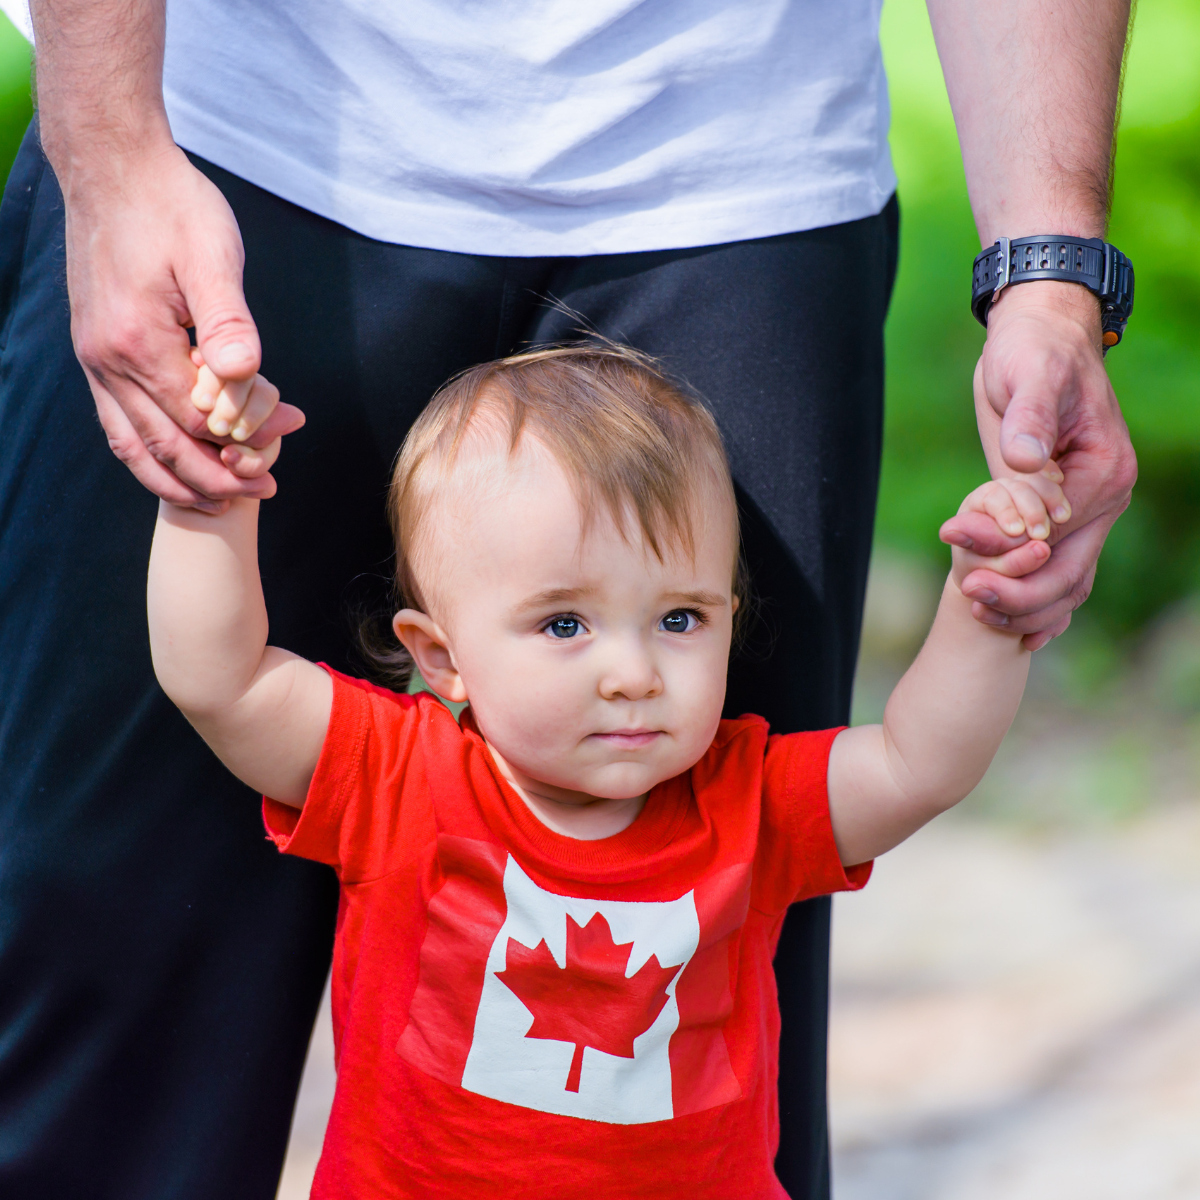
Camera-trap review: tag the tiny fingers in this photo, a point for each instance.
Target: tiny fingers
(229, 404)
(1048, 485)
(236, 408)
(249, 463)
(260, 403)
(1000, 504)
(1030, 505)
(206, 389)
(1023, 504)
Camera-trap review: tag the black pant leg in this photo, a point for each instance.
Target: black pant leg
(140, 906)
(784, 338)
(160, 962)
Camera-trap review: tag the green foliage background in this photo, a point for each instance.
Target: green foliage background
(932, 455)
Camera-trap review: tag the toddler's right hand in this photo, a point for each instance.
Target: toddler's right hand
(236, 409)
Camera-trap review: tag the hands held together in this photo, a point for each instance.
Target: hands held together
(1042, 394)
(237, 410)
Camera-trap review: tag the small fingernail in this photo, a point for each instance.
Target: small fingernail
(994, 618)
(231, 455)
(984, 596)
(241, 431)
(219, 426)
(234, 355)
(1061, 513)
(1034, 445)
(1012, 528)
(1038, 531)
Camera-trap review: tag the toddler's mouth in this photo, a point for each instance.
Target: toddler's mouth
(629, 739)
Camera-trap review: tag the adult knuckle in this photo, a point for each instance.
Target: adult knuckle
(128, 447)
(163, 445)
(122, 337)
(89, 349)
(225, 320)
(1127, 472)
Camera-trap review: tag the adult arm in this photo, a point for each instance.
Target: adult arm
(152, 249)
(1034, 89)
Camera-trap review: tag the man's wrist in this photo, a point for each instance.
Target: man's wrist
(101, 152)
(1070, 300)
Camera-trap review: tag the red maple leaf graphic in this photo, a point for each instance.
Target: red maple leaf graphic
(589, 1001)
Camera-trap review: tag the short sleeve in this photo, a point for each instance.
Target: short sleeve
(355, 808)
(798, 857)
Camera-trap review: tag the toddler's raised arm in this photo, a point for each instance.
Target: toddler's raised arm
(264, 711)
(946, 718)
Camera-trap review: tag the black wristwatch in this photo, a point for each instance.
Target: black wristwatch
(1099, 266)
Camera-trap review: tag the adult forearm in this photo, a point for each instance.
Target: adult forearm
(99, 84)
(1034, 89)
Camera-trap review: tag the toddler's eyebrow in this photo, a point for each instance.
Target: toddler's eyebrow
(552, 596)
(700, 599)
(555, 596)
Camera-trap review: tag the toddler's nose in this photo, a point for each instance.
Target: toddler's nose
(631, 675)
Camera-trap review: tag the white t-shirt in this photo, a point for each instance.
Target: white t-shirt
(541, 127)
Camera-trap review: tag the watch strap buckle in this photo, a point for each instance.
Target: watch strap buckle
(1003, 267)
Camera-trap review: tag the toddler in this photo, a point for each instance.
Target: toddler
(552, 973)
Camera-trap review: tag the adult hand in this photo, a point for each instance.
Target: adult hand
(153, 249)
(1040, 391)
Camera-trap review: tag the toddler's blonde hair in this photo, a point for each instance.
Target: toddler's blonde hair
(632, 441)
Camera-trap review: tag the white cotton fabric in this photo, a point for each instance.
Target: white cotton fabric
(541, 127)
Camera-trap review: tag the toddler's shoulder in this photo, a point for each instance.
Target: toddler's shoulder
(370, 720)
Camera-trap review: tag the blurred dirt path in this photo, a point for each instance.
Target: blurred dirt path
(1017, 1016)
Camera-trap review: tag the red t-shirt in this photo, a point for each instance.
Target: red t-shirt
(522, 1014)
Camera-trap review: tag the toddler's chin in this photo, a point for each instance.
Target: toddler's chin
(623, 785)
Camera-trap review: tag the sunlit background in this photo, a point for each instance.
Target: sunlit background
(1016, 1007)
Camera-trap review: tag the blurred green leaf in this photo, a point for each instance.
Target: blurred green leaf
(16, 103)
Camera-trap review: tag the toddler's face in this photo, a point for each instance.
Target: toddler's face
(593, 669)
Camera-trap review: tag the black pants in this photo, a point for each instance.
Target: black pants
(160, 963)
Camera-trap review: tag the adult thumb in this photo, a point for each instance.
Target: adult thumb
(225, 330)
(1029, 429)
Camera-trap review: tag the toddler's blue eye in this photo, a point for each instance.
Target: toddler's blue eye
(678, 621)
(564, 627)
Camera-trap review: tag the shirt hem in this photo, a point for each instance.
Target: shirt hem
(415, 221)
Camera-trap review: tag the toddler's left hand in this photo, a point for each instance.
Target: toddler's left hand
(1016, 515)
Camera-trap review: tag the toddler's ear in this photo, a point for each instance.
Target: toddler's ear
(425, 640)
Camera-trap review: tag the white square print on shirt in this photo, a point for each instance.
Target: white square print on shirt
(578, 1004)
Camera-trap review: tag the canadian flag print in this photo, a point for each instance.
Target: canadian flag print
(567, 979)
(604, 1010)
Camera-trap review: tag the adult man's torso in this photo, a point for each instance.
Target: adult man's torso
(543, 127)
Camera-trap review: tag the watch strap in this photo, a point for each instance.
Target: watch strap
(1099, 266)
